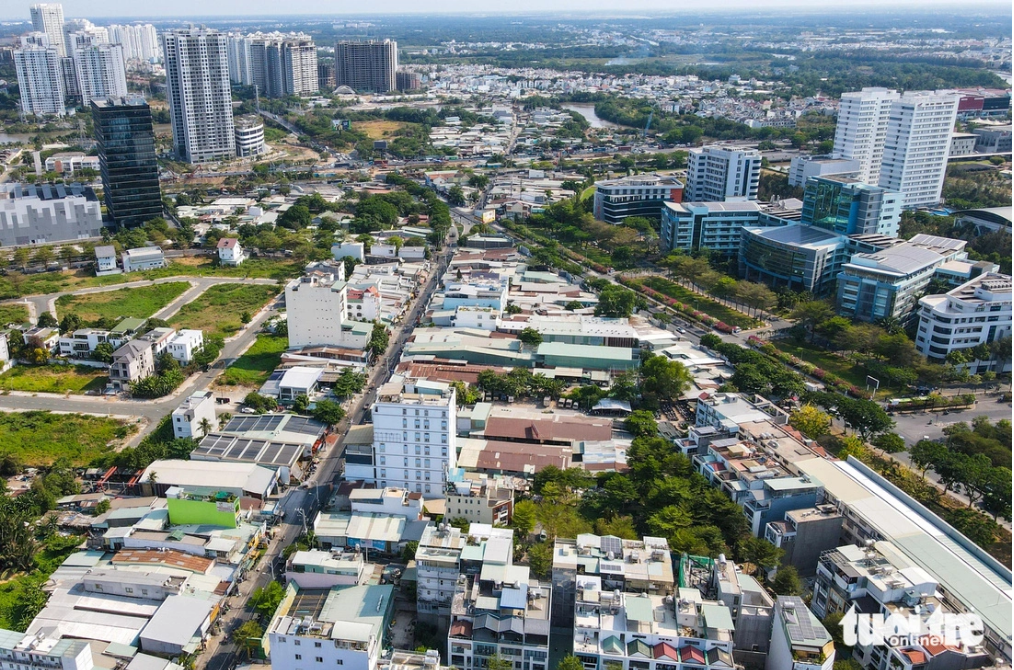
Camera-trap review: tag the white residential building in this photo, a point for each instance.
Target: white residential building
(188, 417)
(798, 640)
(249, 136)
(101, 72)
(48, 18)
(21, 651)
(230, 252)
(364, 304)
(344, 627)
(717, 174)
(140, 42)
(145, 258)
(917, 144)
(316, 308)
(81, 343)
(354, 250)
(105, 260)
(803, 167)
(414, 429)
(862, 129)
(199, 94)
(437, 560)
(69, 162)
(977, 312)
(185, 344)
(40, 80)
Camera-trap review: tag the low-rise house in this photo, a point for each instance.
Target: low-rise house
(230, 252)
(478, 501)
(188, 418)
(145, 258)
(132, 362)
(105, 261)
(185, 344)
(82, 342)
(324, 569)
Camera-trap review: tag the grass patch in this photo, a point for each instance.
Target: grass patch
(823, 359)
(217, 311)
(587, 193)
(254, 367)
(16, 285)
(41, 438)
(379, 129)
(22, 597)
(140, 302)
(54, 378)
(13, 314)
(701, 303)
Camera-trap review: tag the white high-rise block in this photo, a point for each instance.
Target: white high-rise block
(862, 128)
(40, 81)
(48, 18)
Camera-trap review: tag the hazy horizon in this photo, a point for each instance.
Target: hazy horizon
(14, 10)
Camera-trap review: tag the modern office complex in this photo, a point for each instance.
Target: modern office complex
(917, 144)
(414, 429)
(367, 66)
(127, 159)
(101, 72)
(717, 174)
(48, 18)
(199, 94)
(804, 167)
(691, 226)
(975, 313)
(849, 207)
(862, 129)
(640, 195)
(40, 77)
(800, 258)
(48, 213)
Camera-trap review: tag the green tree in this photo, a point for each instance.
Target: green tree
(616, 301)
(523, 519)
(760, 552)
(811, 314)
(787, 582)
(249, 635)
(530, 336)
(379, 339)
(540, 558)
(328, 412)
(925, 454)
(265, 600)
(301, 403)
(570, 662)
(641, 423)
(810, 421)
(47, 320)
(664, 379)
(889, 443)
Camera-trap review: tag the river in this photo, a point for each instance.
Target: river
(588, 112)
(14, 139)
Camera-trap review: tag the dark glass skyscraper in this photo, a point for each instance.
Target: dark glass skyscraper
(127, 159)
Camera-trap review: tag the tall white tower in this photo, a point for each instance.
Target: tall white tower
(40, 81)
(48, 18)
(862, 129)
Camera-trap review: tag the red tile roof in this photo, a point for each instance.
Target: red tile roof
(522, 458)
(227, 242)
(665, 650)
(170, 558)
(556, 428)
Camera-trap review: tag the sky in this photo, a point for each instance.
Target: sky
(94, 9)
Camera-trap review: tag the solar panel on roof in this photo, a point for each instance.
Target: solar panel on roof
(610, 543)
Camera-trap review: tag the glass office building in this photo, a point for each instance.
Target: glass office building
(123, 128)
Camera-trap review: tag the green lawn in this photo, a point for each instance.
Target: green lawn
(823, 359)
(217, 311)
(140, 302)
(13, 314)
(254, 367)
(53, 378)
(16, 285)
(40, 438)
(701, 303)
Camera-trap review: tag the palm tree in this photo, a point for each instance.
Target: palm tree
(205, 426)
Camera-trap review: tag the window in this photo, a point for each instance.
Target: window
(320, 659)
(299, 657)
(316, 645)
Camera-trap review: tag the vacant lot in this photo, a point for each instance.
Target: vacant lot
(13, 314)
(254, 367)
(140, 302)
(40, 438)
(53, 378)
(218, 310)
(380, 129)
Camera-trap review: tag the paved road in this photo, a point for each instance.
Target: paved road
(300, 505)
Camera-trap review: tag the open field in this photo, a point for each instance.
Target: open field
(379, 129)
(217, 311)
(140, 302)
(40, 438)
(13, 314)
(253, 368)
(827, 361)
(16, 285)
(54, 379)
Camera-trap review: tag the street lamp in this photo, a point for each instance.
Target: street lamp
(299, 510)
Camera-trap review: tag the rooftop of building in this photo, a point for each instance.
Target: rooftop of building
(898, 261)
(687, 207)
(652, 179)
(810, 237)
(17, 191)
(801, 626)
(356, 614)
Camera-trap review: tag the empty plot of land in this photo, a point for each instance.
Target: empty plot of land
(254, 367)
(140, 302)
(54, 378)
(41, 438)
(219, 310)
(380, 129)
